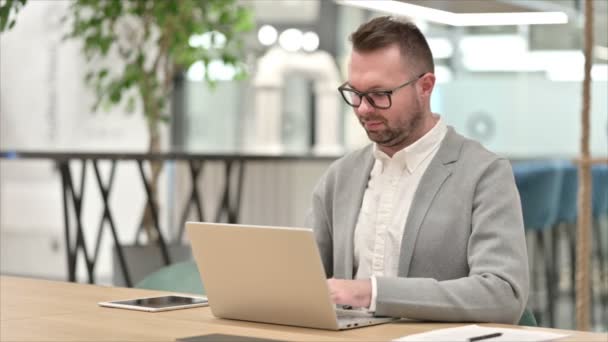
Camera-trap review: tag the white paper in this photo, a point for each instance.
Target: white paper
(469, 331)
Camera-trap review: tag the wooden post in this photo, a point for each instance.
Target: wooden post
(583, 254)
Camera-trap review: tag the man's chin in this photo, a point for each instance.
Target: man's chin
(376, 137)
(383, 140)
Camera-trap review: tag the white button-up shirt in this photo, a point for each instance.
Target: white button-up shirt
(386, 204)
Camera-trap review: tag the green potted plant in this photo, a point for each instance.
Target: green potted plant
(154, 40)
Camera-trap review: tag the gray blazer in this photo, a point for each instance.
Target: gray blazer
(463, 255)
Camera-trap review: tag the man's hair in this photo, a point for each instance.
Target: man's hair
(382, 32)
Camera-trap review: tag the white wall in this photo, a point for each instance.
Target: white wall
(533, 117)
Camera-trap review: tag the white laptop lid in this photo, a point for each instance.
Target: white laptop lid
(263, 274)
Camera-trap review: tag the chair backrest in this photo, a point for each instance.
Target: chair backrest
(179, 277)
(528, 319)
(599, 174)
(540, 185)
(568, 206)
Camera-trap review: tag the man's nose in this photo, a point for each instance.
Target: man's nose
(365, 107)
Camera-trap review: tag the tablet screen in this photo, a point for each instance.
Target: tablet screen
(162, 302)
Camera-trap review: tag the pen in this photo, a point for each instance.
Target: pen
(483, 337)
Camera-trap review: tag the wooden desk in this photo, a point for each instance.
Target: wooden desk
(42, 310)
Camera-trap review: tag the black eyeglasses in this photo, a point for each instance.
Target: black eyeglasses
(380, 99)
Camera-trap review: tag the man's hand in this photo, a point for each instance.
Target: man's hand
(356, 293)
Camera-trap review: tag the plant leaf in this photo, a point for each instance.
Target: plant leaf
(151, 27)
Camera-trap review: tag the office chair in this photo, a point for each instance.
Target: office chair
(568, 214)
(179, 277)
(540, 185)
(599, 174)
(528, 319)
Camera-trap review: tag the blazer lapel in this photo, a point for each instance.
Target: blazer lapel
(349, 204)
(432, 180)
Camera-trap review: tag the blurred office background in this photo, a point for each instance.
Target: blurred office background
(514, 87)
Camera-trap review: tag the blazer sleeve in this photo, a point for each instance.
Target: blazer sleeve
(496, 288)
(319, 220)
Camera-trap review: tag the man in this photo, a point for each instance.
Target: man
(423, 223)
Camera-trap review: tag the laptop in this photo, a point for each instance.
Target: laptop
(270, 275)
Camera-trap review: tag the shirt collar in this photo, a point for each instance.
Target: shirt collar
(411, 156)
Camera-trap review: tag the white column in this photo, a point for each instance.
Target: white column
(272, 68)
(327, 121)
(267, 121)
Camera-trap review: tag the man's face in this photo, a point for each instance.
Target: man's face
(395, 127)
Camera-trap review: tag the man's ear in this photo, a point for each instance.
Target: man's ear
(426, 84)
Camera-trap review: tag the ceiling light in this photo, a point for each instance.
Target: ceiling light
(459, 19)
(267, 35)
(516, 18)
(310, 41)
(291, 39)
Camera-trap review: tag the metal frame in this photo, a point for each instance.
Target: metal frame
(230, 202)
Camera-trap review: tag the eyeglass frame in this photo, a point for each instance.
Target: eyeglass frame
(362, 94)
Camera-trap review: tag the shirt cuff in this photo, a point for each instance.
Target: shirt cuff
(372, 303)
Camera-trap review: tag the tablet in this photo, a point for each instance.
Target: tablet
(154, 304)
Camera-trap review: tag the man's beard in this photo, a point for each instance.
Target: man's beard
(394, 136)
